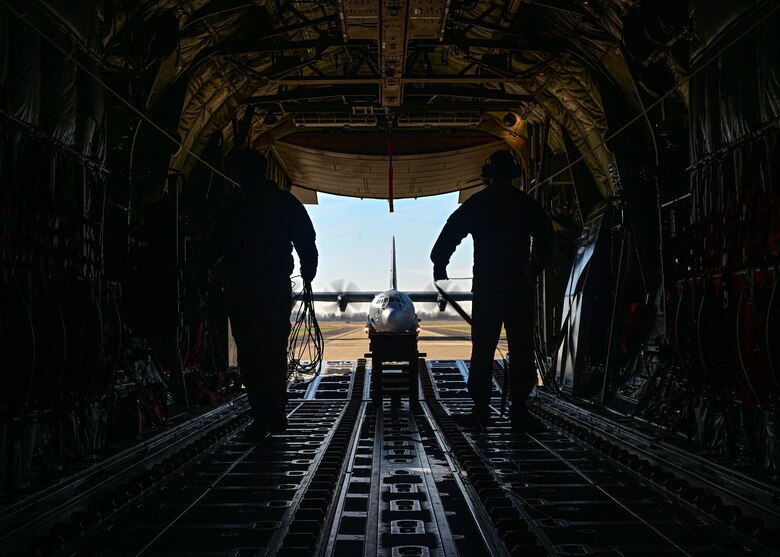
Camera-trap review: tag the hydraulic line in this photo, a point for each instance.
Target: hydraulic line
(769, 353)
(62, 365)
(25, 398)
(702, 360)
(739, 332)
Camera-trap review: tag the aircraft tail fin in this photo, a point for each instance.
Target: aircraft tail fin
(393, 275)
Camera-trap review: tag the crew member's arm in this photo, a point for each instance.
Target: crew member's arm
(544, 239)
(457, 227)
(304, 240)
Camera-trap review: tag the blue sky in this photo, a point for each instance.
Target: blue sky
(354, 238)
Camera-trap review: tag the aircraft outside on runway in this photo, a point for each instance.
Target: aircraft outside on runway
(391, 311)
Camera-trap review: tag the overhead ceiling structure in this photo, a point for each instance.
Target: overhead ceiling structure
(295, 67)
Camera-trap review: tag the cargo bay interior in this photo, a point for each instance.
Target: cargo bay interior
(648, 130)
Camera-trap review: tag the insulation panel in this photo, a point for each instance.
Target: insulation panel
(366, 175)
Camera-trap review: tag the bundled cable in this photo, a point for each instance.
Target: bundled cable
(306, 346)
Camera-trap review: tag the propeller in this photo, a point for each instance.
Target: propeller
(429, 307)
(442, 305)
(340, 286)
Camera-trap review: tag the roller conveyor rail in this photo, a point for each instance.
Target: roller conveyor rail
(350, 477)
(697, 468)
(101, 489)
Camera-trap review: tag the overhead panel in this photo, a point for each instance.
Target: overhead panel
(360, 19)
(366, 175)
(392, 51)
(393, 23)
(432, 119)
(427, 18)
(317, 120)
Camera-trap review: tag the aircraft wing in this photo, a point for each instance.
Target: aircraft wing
(350, 296)
(433, 296)
(360, 296)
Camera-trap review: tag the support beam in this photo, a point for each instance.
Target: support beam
(417, 107)
(465, 43)
(256, 44)
(436, 79)
(467, 93)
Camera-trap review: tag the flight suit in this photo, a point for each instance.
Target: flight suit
(256, 232)
(501, 219)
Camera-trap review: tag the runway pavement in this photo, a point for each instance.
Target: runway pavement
(441, 340)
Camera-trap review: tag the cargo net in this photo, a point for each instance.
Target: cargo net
(305, 346)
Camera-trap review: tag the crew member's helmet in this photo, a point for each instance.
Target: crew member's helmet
(501, 164)
(247, 167)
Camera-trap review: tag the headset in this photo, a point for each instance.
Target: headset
(501, 163)
(247, 162)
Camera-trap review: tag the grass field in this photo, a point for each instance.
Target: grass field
(440, 340)
(451, 325)
(328, 327)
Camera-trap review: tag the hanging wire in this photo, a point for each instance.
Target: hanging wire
(305, 346)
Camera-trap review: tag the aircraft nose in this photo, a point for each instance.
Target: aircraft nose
(393, 318)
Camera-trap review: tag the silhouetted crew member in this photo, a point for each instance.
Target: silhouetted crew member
(501, 219)
(255, 232)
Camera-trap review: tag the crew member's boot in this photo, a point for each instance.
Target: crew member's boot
(523, 421)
